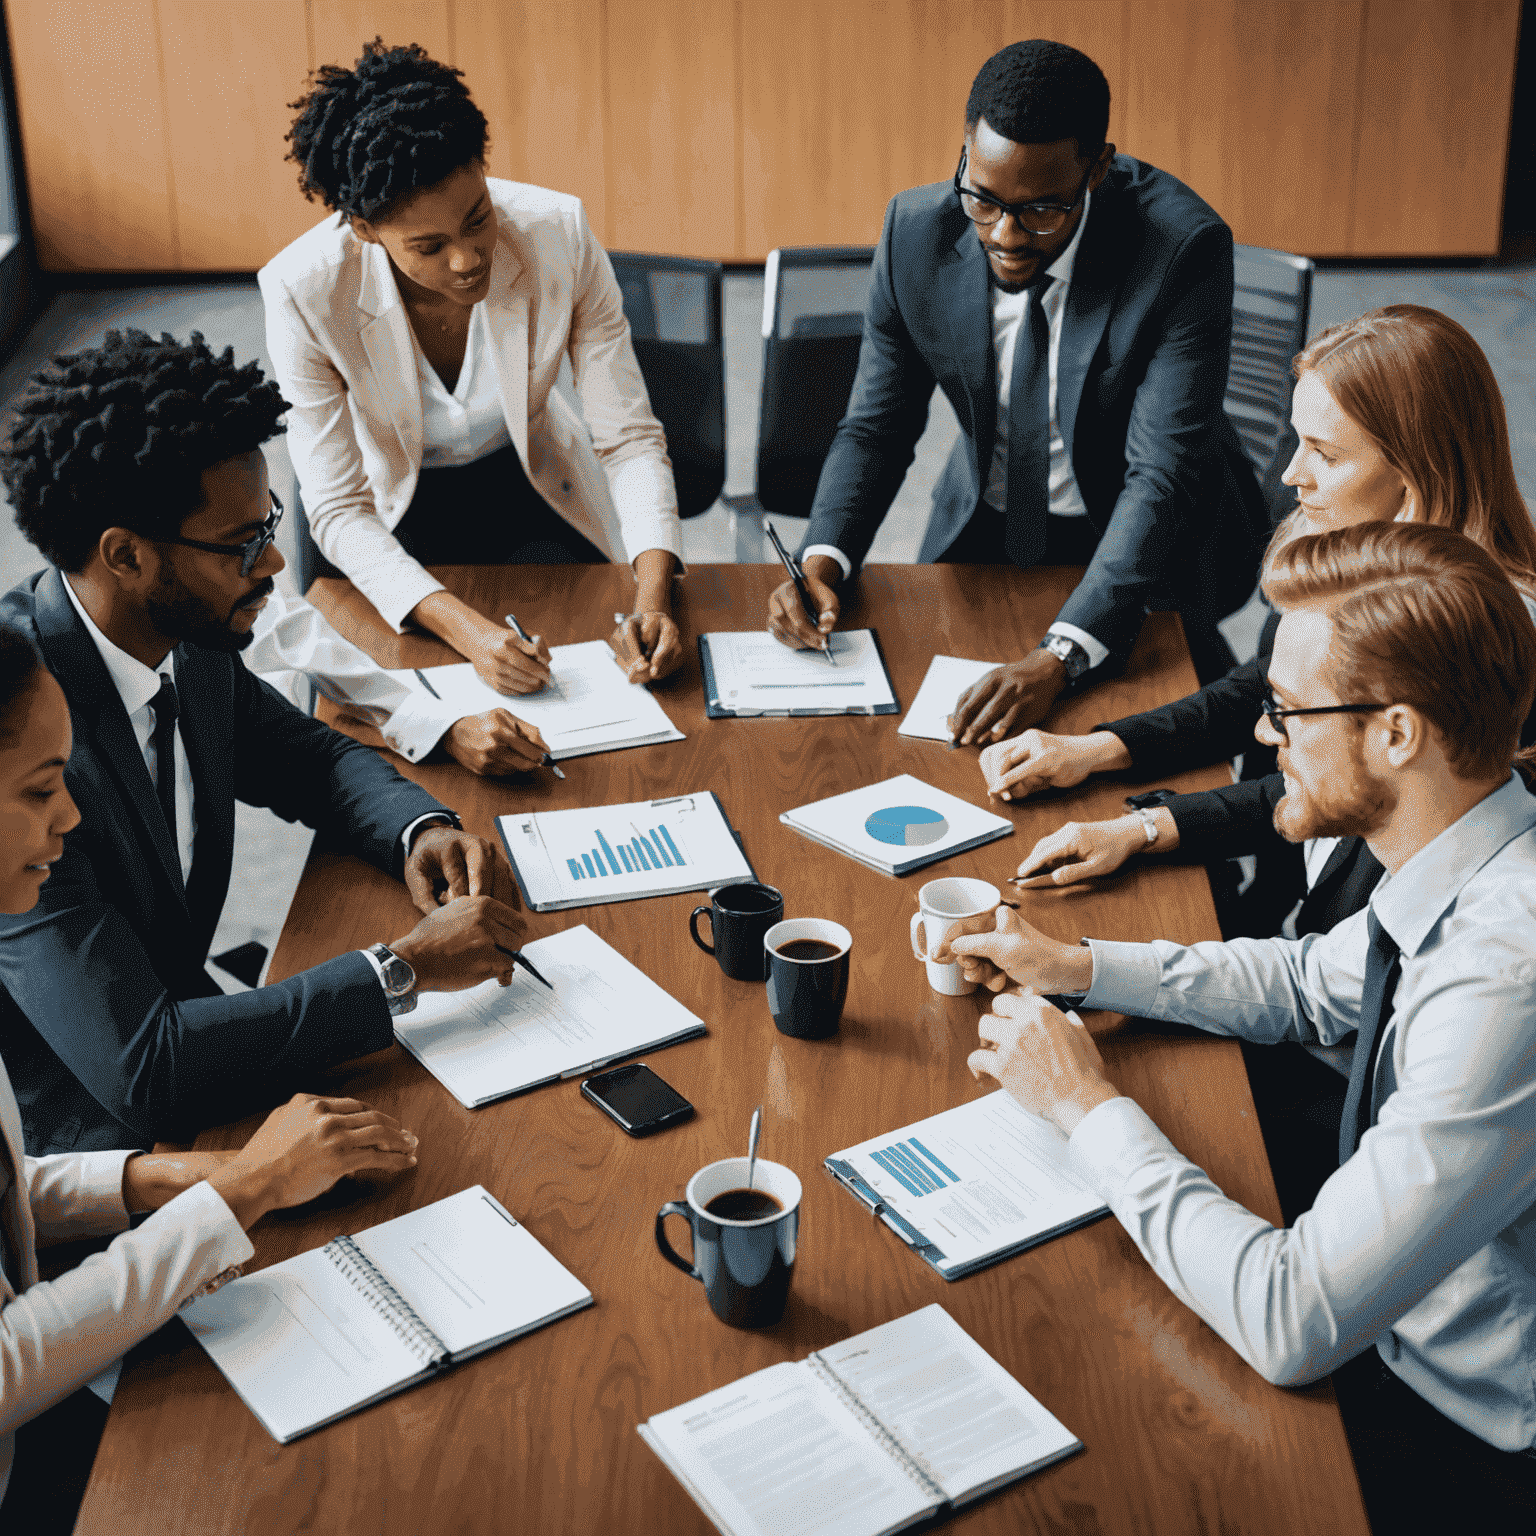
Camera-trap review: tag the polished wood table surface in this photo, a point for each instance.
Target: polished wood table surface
(539, 1436)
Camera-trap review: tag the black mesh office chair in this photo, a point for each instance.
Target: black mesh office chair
(813, 322)
(1271, 309)
(675, 316)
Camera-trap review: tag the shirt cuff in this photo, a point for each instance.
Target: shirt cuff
(1096, 649)
(408, 836)
(1111, 1142)
(832, 552)
(418, 725)
(378, 968)
(202, 1209)
(1126, 977)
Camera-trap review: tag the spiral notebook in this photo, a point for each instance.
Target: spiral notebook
(319, 1336)
(887, 1429)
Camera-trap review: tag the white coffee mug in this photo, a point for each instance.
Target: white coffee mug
(941, 906)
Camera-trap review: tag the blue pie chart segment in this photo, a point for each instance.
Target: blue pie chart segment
(908, 826)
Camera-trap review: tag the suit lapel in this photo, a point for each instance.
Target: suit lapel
(506, 314)
(1089, 300)
(964, 299)
(98, 716)
(386, 336)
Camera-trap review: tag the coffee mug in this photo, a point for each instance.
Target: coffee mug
(807, 975)
(941, 905)
(739, 915)
(743, 1261)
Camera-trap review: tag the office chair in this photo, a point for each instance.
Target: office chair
(675, 316)
(1271, 309)
(813, 323)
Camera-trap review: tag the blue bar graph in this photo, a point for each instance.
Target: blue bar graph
(915, 1167)
(648, 850)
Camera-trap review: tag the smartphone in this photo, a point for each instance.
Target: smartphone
(639, 1100)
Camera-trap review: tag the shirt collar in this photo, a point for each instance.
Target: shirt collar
(136, 683)
(1410, 903)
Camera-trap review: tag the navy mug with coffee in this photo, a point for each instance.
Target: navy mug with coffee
(807, 976)
(743, 1238)
(739, 915)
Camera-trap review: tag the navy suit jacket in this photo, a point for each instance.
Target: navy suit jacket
(1142, 369)
(112, 1030)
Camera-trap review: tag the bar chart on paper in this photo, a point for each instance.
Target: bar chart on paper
(622, 852)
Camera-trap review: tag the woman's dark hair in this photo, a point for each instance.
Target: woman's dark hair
(369, 136)
(19, 666)
(1038, 92)
(118, 436)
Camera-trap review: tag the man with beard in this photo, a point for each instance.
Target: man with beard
(136, 469)
(1403, 666)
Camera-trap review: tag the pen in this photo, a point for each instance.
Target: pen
(525, 962)
(421, 677)
(546, 761)
(798, 577)
(624, 618)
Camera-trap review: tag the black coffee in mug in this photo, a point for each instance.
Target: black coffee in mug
(744, 1205)
(739, 915)
(807, 949)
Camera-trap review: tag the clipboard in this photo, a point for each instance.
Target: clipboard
(715, 710)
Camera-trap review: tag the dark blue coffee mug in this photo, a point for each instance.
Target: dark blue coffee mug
(807, 976)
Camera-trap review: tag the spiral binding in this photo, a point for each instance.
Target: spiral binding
(915, 1465)
(360, 1270)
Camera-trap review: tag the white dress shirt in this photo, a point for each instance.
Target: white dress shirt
(293, 641)
(1064, 499)
(467, 422)
(1424, 1242)
(136, 686)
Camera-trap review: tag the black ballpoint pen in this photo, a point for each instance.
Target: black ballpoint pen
(526, 964)
(798, 577)
(546, 761)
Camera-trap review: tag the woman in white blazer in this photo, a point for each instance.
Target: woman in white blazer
(420, 335)
(58, 1335)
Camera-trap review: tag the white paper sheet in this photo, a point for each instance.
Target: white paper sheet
(976, 1180)
(489, 1041)
(754, 674)
(946, 679)
(588, 707)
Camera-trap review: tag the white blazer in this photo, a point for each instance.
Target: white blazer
(343, 353)
(56, 1335)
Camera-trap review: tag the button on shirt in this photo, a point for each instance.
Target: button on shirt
(136, 686)
(468, 422)
(1424, 1242)
(1063, 496)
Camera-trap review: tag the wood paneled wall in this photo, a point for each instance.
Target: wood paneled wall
(153, 129)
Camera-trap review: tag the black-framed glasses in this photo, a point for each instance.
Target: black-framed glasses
(253, 548)
(1032, 218)
(1277, 716)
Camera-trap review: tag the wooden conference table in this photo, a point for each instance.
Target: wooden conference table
(539, 1436)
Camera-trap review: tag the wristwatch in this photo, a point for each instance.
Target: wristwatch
(1069, 653)
(1148, 825)
(398, 978)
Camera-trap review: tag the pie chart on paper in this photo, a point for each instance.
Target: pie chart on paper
(907, 826)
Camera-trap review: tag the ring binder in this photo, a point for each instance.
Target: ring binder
(356, 1266)
(917, 1467)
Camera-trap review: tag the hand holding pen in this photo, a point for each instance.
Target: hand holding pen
(803, 609)
(645, 645)
(507, 660)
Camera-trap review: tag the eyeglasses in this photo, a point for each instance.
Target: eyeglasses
(1277, 716)
(1032, 218)
(253, 548)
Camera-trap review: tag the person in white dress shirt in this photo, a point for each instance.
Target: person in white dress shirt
(59, 1335)
(421, 334)
(1404, 663)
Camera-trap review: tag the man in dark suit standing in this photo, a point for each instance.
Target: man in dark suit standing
(136, 468)
(1075, 306)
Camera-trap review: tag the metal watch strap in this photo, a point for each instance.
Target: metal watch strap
(1069, 653)
(1149, 826)
(398, 978)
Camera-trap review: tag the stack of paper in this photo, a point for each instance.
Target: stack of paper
(750, 673)
(947, 678)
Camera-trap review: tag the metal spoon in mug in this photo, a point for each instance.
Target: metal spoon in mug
(752, 1135)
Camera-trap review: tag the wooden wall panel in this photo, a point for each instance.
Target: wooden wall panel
(230, 70)
(93, 132)
(844, 104)
(535, 68)
(671, 70)
(339, 28)
(1254, 106)
(1435, 93)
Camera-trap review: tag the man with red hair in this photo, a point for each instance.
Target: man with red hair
(1403, 666)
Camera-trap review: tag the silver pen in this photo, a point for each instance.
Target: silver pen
(522, 634)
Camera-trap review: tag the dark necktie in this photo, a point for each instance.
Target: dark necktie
(164, 706)
(1383, 966)
(1029, 431)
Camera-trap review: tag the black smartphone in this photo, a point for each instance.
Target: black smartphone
(639, 1100)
